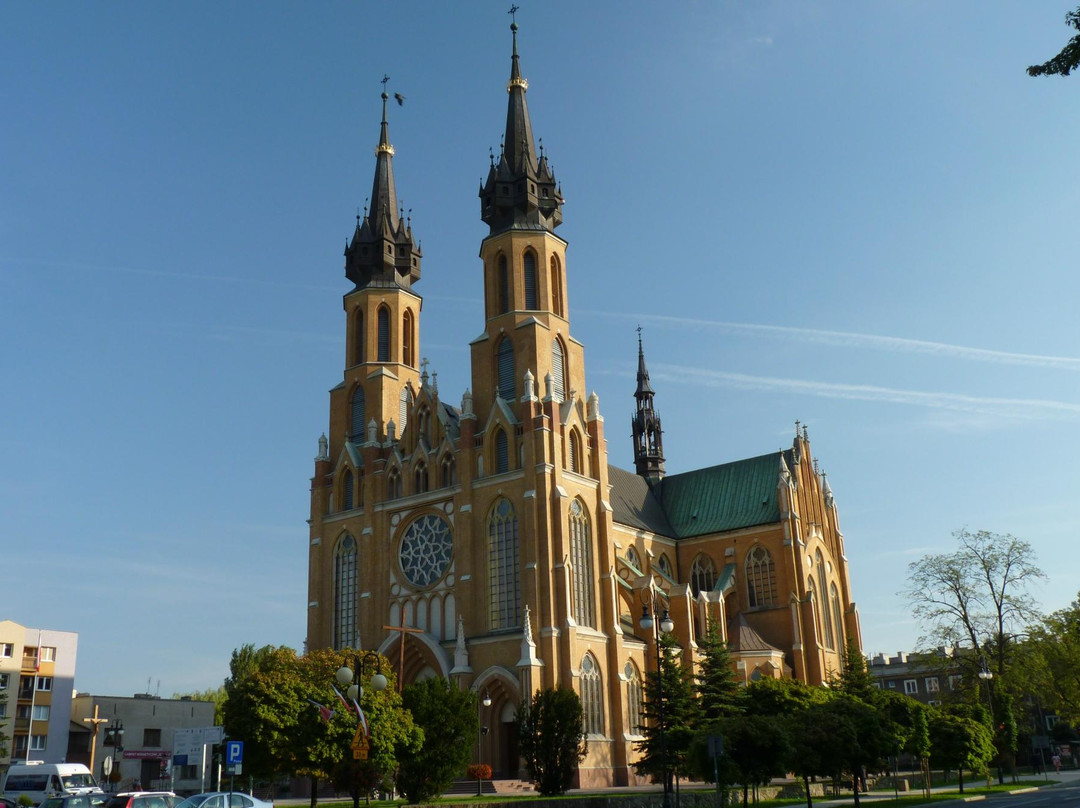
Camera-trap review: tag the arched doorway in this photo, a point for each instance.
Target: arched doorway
(498, 746)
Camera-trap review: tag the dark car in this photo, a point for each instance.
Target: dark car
(75, 801)
(6, 803)
(142, 799)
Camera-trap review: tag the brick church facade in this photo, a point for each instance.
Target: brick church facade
(494, 528)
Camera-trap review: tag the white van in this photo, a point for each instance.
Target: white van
(39, 781)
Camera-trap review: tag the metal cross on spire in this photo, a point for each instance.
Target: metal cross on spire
(384, 80)
(513, 13)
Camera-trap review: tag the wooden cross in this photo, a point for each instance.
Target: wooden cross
(403, 630)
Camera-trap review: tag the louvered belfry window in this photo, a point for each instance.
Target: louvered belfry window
(356, 423)
(404, 399)
(530, 281)
(358, 337)
(556, 288)
(347, 491)
(504, 286)
(575, 453)
(558, 370)
(506, 369)
(384, 334)
(502, 452)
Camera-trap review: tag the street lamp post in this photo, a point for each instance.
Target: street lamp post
(355, 691)
(115, 733)
(986, 675)
(481, 731)
(657, 628)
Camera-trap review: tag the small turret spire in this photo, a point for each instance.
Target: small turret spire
(647, 431)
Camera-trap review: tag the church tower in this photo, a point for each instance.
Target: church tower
(648, 436)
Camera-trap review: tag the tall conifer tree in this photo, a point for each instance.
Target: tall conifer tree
(719, 692)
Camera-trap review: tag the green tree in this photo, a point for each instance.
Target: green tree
(1069, 58)
(977, 595)
(4, 737)
(855, 680)
(449, 720)
(718, 691)
(1052, 658)
(779, 697)
(819, 739)
(960, 743)
(670, 721)
(551, 738)
(757, 747)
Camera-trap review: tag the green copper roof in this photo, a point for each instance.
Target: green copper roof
(727, 497)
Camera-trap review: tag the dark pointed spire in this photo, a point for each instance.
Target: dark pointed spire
(382, 248)
(647, 431)
(520, 191)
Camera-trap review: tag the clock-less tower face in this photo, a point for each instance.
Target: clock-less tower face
(427, 548)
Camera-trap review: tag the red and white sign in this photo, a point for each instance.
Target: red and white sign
(147, 754)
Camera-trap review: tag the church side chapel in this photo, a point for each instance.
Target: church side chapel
(488, 540)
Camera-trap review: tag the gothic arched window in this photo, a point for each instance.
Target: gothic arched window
(574, 459)
(505, 359)
(347, 491)
(502, 452)
(581, 557)
(816, 604)
(823, 604)
(449, 471)
(632, 557)
(504, 587)
(408, 339)
(404, 400)
(592, 696)
(356, 418)
(760, 578)
(702, 574)
(556, 288)
(345, 603)
(634, 697)
(384, 334)
(420, 479)
(558, 370)
(393, 484)
(834, 603)
(504, 286)
(664, 565)
(530, 281)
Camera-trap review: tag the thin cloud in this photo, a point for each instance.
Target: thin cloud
(851, 339)
(1015, 408)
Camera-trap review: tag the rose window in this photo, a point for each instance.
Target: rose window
(426, 550)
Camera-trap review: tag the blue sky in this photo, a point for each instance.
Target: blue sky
(860, 215)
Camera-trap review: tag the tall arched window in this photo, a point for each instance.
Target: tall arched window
(834, 604)
(664, 565)
(632, 557)
(556, 288)
(760, 578)
(530, 281)
(558, 370)
(505, 358)
(591, 696)
(449, 471)
(816, 602)
(408, 339)
(420, 479)
(502, 452)
(345, 604)
(504, 587)
(384, 334)
(823, 603)
(356, 418)
(358, 337)
(702, 574)
(635, 722)
(574, 459)
(504, 286)
(393, 484)
(347, 484)
(584, 610)
(404, 400)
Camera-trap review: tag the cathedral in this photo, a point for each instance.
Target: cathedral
(488, 540)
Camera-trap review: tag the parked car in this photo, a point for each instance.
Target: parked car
(224, 799)
(6, 803)
(142, 799)
(74, 801)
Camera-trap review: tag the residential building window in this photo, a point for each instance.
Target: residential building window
(932, 684)
(48, 653)
(37, 742)
(356, 420)
(504, 587)
(7, 650)
(581, 558)
(760, 578)
(911, 687)
(151, 737)
(19, 745)
(4, 678)
(591, 696)
(892, 685)
(505, 361)
(44, 683)
(189, 772)
(345, 601)
(634, 698)
(40, 712)
(530, 281)
(955, 681)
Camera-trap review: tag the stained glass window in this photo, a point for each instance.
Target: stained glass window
(426, 550)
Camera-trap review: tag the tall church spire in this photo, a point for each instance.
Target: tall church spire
(520, 191)
(648, 435)
(382, 250)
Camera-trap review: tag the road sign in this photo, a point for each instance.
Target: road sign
(234, 752)
(360, 745)
(106, 765)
